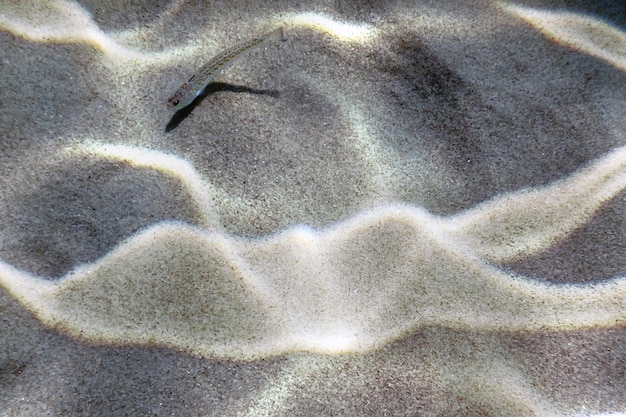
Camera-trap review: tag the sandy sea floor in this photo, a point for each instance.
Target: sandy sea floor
(407, 208)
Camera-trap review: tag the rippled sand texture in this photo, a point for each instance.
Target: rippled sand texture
(406, 209)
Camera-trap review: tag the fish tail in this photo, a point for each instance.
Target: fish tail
(277, 35)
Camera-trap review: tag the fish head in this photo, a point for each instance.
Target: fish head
(181, 97)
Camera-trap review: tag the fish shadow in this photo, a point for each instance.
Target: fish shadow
(212, 88)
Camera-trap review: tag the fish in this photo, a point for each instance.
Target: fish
(187, 92)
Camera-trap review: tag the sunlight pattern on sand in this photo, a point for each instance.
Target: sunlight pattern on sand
(375, 237)
(216, 295)
(66, 21)
(584, 33)
(340, 30)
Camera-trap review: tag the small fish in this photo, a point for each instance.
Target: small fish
(187, 92)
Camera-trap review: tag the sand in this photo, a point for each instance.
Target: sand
(407, 208)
